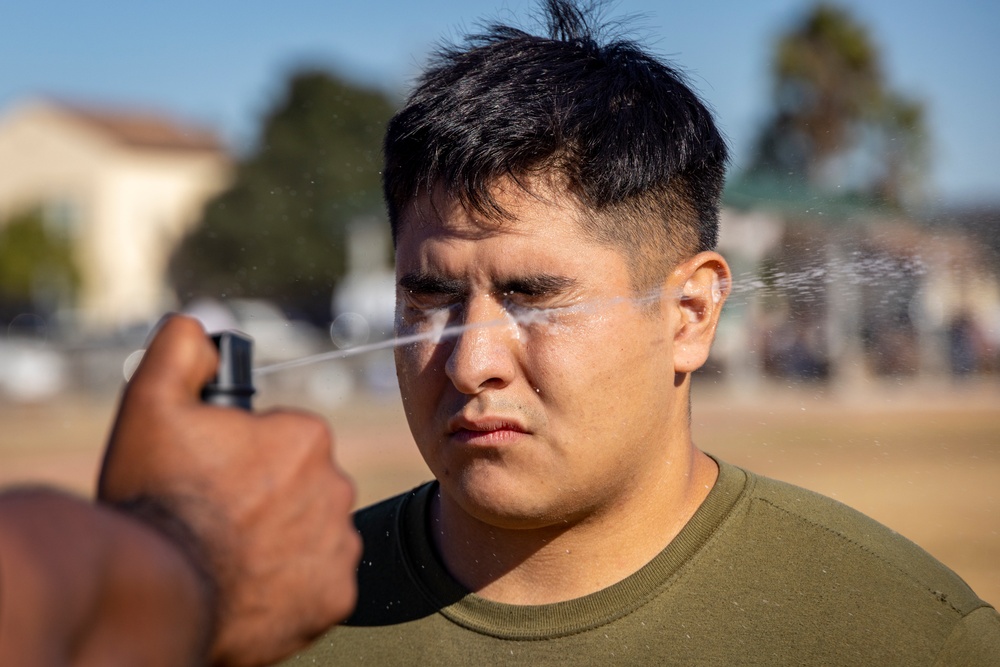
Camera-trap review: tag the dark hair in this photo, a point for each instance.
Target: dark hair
(623, 131)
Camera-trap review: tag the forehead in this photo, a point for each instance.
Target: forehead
(541, 235)
(538, 209)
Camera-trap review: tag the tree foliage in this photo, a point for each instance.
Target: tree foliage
(37, 266)
(279, 231)
(835, 121)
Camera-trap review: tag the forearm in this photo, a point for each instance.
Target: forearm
(82, 584)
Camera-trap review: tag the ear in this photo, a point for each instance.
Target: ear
(702, 284)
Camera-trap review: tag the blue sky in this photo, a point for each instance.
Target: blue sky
(221, 62)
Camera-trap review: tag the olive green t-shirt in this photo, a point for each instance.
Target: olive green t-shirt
(764, 573)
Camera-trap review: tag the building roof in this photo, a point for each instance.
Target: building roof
(144, 129)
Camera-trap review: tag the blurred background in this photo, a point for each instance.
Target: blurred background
(222, 159)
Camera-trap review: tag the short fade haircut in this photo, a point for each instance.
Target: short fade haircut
(621, 130)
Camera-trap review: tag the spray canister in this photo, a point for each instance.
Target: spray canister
(232, 385)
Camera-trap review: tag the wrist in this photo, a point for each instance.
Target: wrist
(182, 553)
(89, 584)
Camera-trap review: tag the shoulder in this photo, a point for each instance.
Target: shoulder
(386, 512)
(395, 552)
(811, 524)
(384, 527)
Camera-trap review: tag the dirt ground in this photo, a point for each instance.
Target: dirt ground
(924, 460)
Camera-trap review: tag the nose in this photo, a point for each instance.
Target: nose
(483, 356)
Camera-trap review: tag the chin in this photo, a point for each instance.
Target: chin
(500, 501)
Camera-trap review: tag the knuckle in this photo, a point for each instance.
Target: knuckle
(341, 491)
(142, 391)
(305, 428)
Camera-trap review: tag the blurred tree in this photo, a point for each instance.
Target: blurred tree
(278, 232)
(835, 121)
(38, 272)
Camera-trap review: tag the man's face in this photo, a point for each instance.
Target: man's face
(556, 400)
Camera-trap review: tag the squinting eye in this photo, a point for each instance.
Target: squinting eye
(521, 300)
(422, 301)
(527, 300)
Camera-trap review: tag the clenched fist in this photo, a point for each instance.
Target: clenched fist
(255, 500)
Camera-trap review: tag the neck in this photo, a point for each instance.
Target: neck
(563, 561)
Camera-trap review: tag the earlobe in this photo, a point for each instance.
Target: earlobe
(704, 282)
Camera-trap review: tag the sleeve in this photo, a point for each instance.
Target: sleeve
(974, 641)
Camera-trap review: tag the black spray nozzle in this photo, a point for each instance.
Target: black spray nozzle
(233, 382)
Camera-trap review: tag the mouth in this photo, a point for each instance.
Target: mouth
(487, 431)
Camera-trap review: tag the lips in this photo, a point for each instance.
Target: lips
(485, 431)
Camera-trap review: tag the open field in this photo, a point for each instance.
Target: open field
(924, 461)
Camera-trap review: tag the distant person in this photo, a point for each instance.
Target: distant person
(964, 345)
(219, 536)
(559, 197)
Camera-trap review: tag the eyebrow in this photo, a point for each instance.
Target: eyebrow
(426, 283)
(537, 285)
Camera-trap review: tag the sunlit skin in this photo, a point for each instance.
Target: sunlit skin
(557, 424)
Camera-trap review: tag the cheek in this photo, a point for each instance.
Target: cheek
(417, 364)
(414, 364)
(599, 360)
(563, 359)
(428, 334)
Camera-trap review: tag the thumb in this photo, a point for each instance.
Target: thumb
(179, 361)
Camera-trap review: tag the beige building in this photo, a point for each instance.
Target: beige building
(125, 186)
